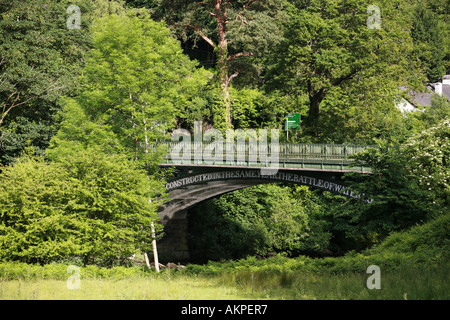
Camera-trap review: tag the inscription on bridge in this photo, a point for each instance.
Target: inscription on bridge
(256, 174)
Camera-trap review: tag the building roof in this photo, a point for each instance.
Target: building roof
(424, 98)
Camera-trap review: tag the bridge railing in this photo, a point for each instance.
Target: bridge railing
(326, 151)
(301, 155)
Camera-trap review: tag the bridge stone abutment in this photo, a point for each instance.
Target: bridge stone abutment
(173, 247)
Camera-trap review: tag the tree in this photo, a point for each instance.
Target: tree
(428, 34)
(40, 60)
(241, 29)
(77, 132)
(339, 63)
(408, 186)
(258, 220)
(437, 112)
(428, 155)
(397, 199)
(136, 81)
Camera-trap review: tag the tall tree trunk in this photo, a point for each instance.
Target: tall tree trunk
(222, 51)
(221, 16)
(315, 98)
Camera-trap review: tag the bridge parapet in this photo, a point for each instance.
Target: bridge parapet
(288, 155)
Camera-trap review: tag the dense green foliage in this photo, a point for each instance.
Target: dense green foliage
(40, 60)
(137, 79)
(409, 185)
(91, 206)
(345, 70)
(259, 220)
(91, 201)
(429, 35)
(349, 76)
(420, 246)
(409, 182)
(428, 154)
(81, 108)
(58, 271)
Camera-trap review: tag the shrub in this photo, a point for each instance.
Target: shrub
(258, 220)
(419, 247)
(92, 205)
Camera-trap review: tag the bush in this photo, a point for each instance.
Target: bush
(257, 221)
(428, 156)
(425, 243)
(24, 271)
(94, 206)
(421, 246)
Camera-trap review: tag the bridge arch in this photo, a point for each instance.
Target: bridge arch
(193, 185)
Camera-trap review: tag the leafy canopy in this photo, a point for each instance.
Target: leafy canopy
(350, 73)
(137, 79)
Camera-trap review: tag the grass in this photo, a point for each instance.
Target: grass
(404, 283)
(133, 288)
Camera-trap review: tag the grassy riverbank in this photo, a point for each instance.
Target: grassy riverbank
(404, 283)
(414, 264)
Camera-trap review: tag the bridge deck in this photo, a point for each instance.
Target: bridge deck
(290, 155)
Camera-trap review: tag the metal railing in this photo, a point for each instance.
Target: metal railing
(294, 155)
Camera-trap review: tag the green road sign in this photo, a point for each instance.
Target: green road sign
(292, 121)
